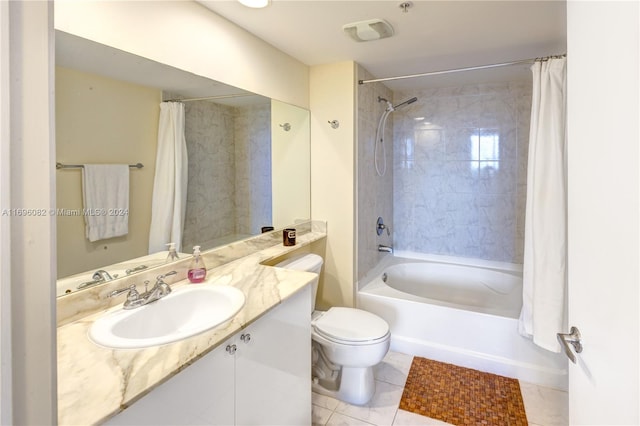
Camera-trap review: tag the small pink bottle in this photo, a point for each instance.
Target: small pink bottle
(197, 271)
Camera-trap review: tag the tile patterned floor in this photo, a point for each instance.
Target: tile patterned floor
(544, 406)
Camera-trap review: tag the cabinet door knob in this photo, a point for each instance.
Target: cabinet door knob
(231, 349)
(245, 337)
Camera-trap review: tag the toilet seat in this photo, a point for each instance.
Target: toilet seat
(351, 326)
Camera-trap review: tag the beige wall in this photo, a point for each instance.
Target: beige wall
(101, 120)
(374, 193)
(190, 37)
(332, 97)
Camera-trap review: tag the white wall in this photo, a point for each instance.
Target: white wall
(332, 96)
(6, 411)
(604, 189)
(189, 36)
(31, 180)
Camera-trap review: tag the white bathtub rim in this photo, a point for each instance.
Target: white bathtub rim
(379, 289)
(404, 256)
(466, 261)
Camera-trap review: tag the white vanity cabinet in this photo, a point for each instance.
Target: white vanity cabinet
(261, 375)
(273, 366)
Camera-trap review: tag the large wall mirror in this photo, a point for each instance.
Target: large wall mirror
(248, 157)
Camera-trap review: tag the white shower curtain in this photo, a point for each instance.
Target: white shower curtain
(170, 183)
(545, 241)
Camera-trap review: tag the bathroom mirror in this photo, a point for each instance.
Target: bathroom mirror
(249, 157)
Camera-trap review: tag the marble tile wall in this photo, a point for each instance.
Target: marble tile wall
(211, 204)
(460, 162)
(253, 168)
(229, 191)
(374, 193)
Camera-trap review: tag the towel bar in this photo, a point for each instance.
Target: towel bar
(80, 166)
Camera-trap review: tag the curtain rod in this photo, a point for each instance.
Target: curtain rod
(479, 67)
(206, 98)
(81, 166)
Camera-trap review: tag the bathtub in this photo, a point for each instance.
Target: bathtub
(459, 311)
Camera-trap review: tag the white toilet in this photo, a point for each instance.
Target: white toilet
(347, 343)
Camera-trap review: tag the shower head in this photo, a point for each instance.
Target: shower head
(407, 102)
(389, 104)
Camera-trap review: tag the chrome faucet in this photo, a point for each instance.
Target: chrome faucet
(102, 275)
(135, 299)
(385, 249)
(136, 269)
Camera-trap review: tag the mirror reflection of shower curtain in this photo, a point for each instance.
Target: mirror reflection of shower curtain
(170, 184)
(545, 241)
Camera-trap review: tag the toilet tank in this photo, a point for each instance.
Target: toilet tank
(308, 262)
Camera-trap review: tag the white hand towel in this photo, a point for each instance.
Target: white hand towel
(105, 193)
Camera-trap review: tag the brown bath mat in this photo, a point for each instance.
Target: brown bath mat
(462, 396)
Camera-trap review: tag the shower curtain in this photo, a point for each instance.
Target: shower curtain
(170, 184)
(545, 242)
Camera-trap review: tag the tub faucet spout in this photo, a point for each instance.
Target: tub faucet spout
(385, 249)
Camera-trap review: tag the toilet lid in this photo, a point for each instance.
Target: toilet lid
(303, 262)
(349, 324)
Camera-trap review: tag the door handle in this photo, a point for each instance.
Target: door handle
(573, 338)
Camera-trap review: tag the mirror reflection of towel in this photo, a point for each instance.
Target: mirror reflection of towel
(105, 194)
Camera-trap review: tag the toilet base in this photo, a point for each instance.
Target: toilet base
(357, 386)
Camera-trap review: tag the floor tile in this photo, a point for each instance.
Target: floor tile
(320, 415)
(380, 410)
(406, 418)
(338, 419)
(324, 401)
(545, 406)
(394, 368)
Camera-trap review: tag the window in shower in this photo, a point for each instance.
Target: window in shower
(407, 153)
(485, 149)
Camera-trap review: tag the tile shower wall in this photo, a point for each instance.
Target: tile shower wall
(375, 193)
(209, 131)
(460, 163)
(226, 194)
(253, 168)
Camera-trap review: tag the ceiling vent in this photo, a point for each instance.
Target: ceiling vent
(372, 29)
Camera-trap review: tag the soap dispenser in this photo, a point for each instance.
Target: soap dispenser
(172, 253)
(197, 271)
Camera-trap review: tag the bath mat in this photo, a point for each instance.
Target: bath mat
(462, 396)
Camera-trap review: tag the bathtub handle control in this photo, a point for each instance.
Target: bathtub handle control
(380, 226)
(573, 338)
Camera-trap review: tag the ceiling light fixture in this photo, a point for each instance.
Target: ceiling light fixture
(372, 29)
(255, 4)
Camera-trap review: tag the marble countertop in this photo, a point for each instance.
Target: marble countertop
(95, 383)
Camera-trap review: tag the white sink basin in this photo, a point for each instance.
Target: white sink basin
(183, 313)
